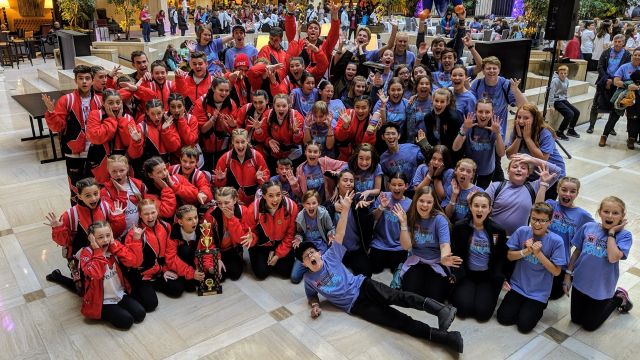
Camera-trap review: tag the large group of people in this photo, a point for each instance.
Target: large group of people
(328, 165)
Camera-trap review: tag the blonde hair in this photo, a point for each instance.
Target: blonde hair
(571, 180)
(184, 209)
(491, 60)
(309, 194)
(145, 202)
(320, 107)
(227, 191)
(616, 200)
(117, 159)
(467, 161)
(563, 67)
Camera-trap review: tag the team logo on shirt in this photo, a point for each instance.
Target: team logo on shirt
(561, 224)
(423, 236)
(595, 245)
(329, 283)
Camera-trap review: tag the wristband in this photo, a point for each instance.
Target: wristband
(315, 305)
(452, 203)
(522, 253)
(461, 133)
(471, 47)
(568, 272)
(612, 235)
(545, 184)
(404, 228)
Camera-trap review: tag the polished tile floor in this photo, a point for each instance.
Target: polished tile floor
(268, 319)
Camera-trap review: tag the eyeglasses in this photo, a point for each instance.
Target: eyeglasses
(308, 254)
(535, 221)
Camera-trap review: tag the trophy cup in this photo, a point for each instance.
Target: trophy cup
(211, 283)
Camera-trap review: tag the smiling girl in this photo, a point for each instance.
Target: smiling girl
(595, 266)
(311, 173)
(442, 123)
(458, 189)
(419, 106)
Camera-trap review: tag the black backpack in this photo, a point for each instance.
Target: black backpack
(527, 185)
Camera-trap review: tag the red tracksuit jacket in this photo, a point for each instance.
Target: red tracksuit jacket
(187, 87)
(277, 230)
(67, 120)
(242, 176)
(73, 233)
(329, 42)
(151, 257)
(283, 133)
(161, 91)
(355, 134)
(155, 141)
(217, 138)
(107, 135)
(197, 178)
(93, 263)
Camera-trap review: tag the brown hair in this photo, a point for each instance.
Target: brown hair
(412, 213)
(538, 123)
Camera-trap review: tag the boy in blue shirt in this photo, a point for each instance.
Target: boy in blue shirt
(365, 297)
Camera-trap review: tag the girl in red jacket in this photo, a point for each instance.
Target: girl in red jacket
(185, 240)
(170, 190)
(123, 188)
(280, 132)
(106, 290)
(186, 124)
(151, 272)
(353, 127)
(188, 168)
(228, 231)
(71, 230)
(251, 113)
(297, 68)
(216, 119)
(107, 130)
(271, 219)
(155, 136)
(241, 168)
(157, 82)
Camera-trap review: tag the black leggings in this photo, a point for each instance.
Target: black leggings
(145, 290)
(611, 122)
(374, 305)
(233, 263)
(386, 259)
(517, 309)
(351, 32)
(123, 314)
(358, 262)
(76, 170)
(259, 255)
(476, 295)
(424, 281)
(591, 313)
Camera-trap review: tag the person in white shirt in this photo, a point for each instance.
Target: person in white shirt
(602, 41)
(586, 47)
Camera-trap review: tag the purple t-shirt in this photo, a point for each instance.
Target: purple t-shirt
(465, 103)
(334, 281)
(530, 278)
(593, 274)
(461, 208)
(547, 146)
(480, 146)
(351, 238)
(314, 178)
(232, 53)
(497, 95)
(312, 233)
(396, 113)
(386, 233)
(479, 251)
(406, 160)
(366, 180)
(565, 221)
(212, 50)
(335, 107)
(428, 235)
(303, 103)
(423, 171)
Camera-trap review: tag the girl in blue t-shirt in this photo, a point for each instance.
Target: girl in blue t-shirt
(418, 106)
(386, 251)
(595, 266)
(567, 218)
(481, 141)
(532, 135)
(458, 188)
(311, 173)
(335, 106)
(465, 99)
(312, 224)
(403, 72)
(481, 243)
(393, 107)
(305, 96)
(365, 164)
(538, 255)
(318, 128)
(434, 170)
(426, 271)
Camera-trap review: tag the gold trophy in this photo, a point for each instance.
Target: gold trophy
(211, 283)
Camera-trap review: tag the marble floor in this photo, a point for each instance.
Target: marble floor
(39, 320)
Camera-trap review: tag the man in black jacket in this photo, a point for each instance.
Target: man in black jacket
(608, 64)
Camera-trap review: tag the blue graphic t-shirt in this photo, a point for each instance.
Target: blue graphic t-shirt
(406, 160)
(386, 233)
(480, 146)
(366, 180)
(497, 95)
(462, 207)
(530, 278)
(547, 146)
(565, 221)
(314, 178)
(479, 251)
(593, 274)
(211, 50)
(312, 233)
(304, 102)
(428, 235)
(396, 113)
(614, 62)
(334, 281)
(465, 103)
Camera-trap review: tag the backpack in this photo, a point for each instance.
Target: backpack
(527, 185)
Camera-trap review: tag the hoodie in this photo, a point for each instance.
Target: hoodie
(558, 89)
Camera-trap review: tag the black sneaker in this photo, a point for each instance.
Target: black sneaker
(613, 132)
(627, 305)
(573, 133)
(590, 130)
(561, 135)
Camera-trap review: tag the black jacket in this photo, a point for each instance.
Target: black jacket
(499, 265)
(603, 64)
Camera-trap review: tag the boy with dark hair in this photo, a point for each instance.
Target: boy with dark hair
(365, 297)
(68, 116)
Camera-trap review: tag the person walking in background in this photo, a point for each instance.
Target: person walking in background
(160, 22)
(145, 20)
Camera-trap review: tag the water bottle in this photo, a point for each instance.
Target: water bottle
(373, 122)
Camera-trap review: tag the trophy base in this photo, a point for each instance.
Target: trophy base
(207, 292)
